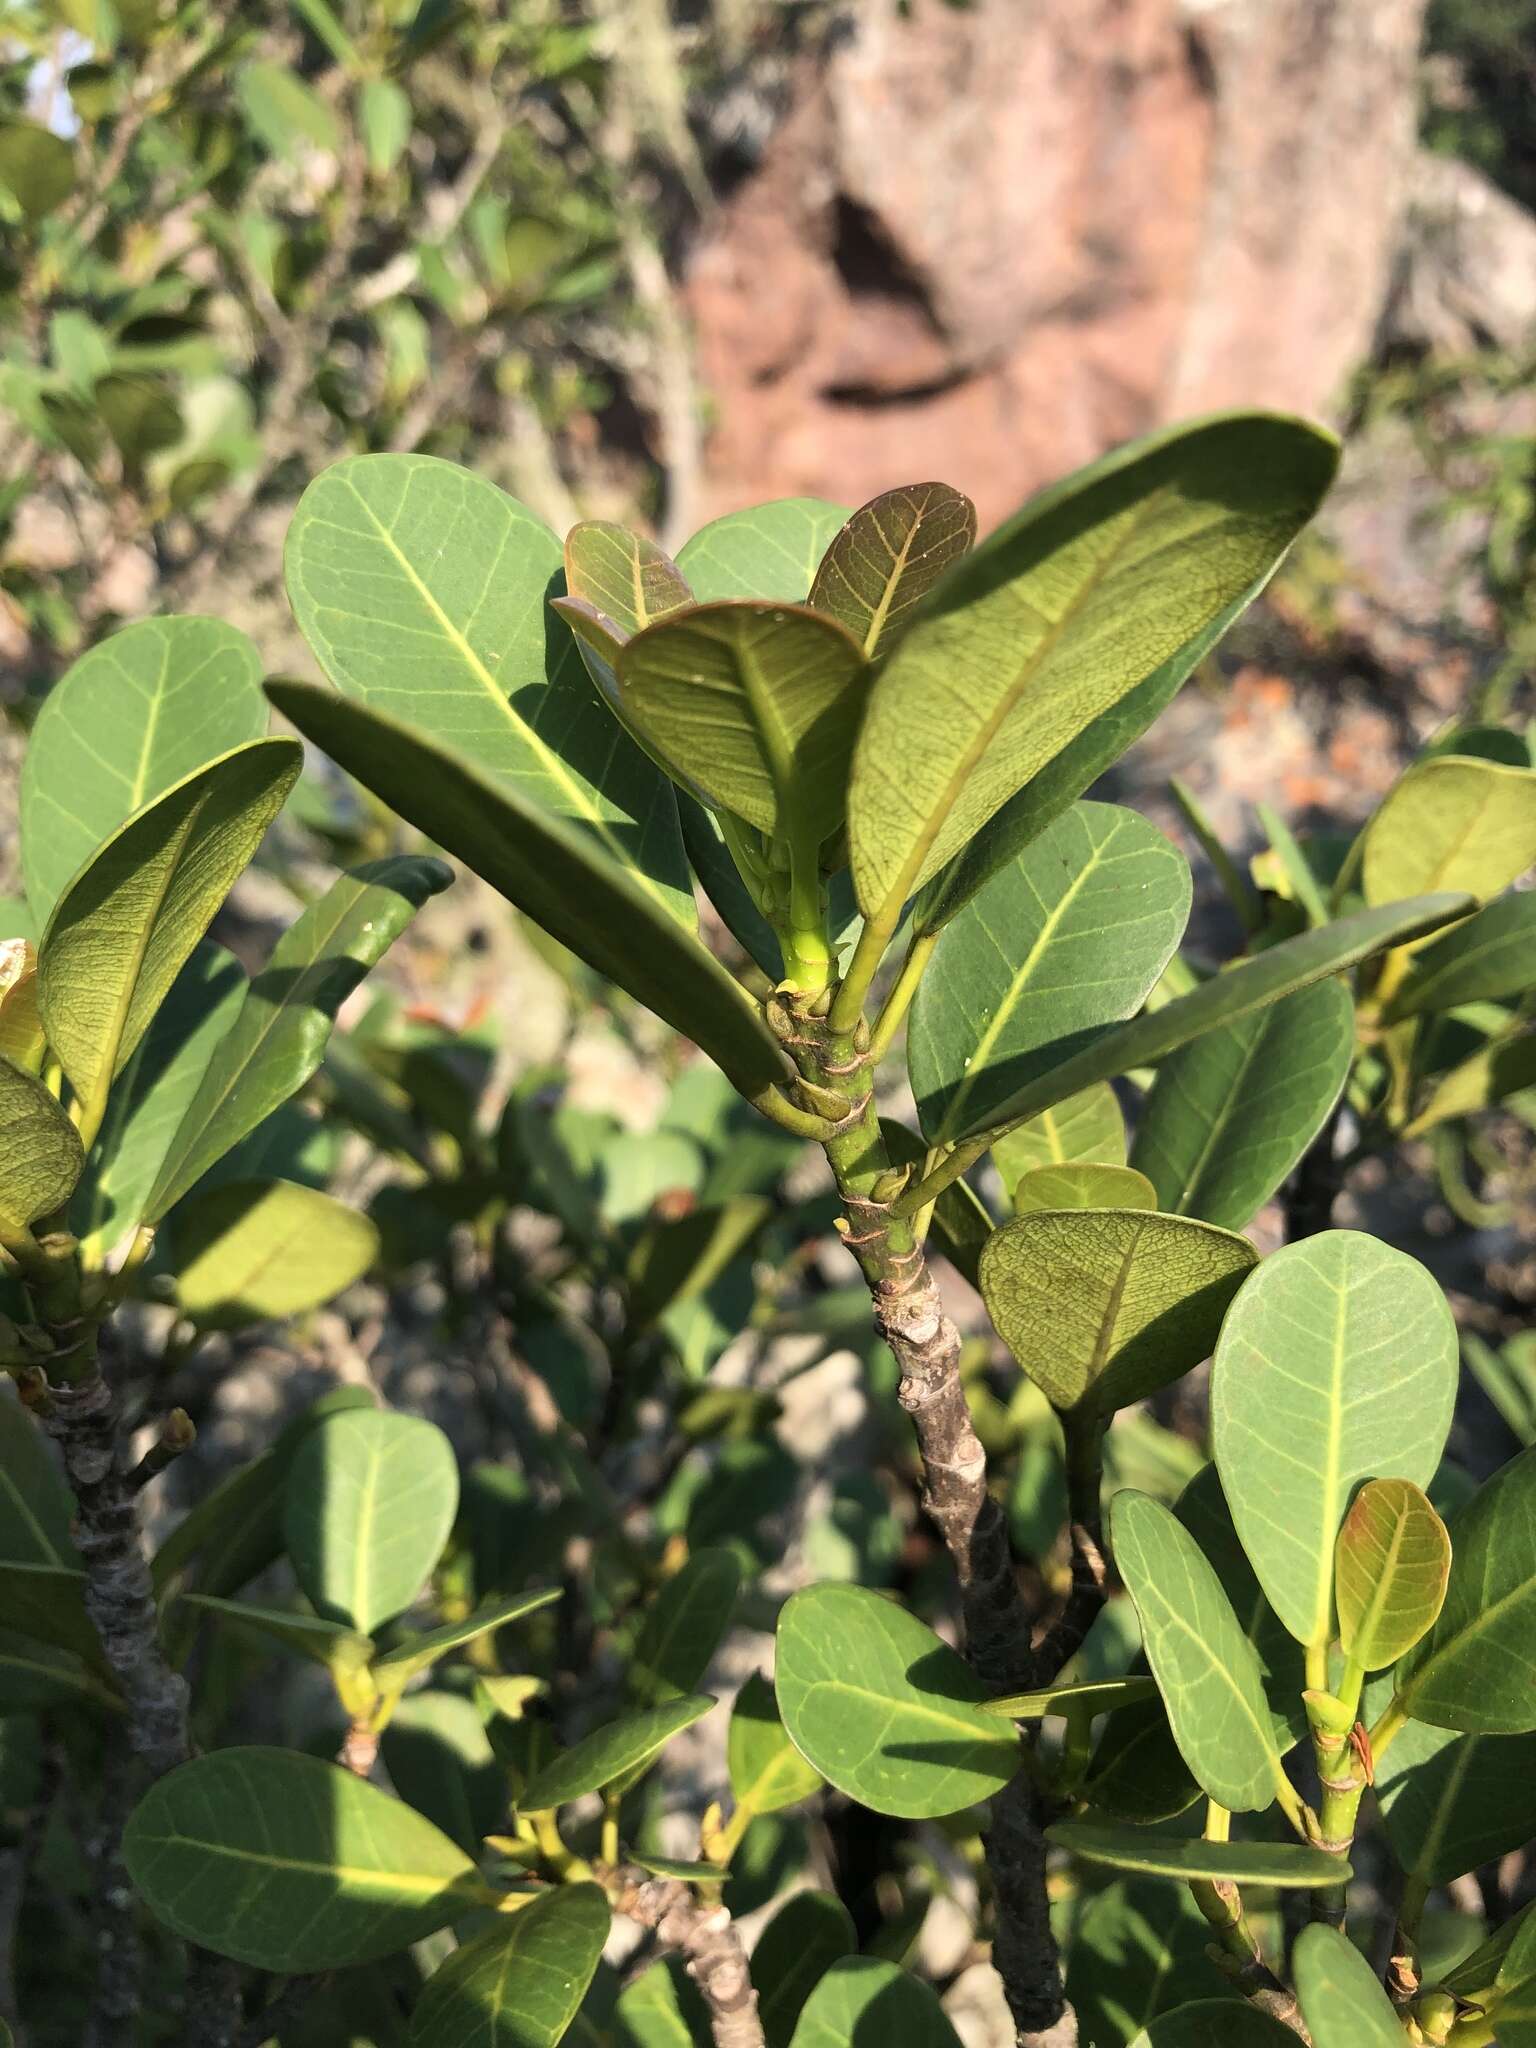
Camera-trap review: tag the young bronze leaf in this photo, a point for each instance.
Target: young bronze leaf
(258, 1250)
(126, 924)
(882, 1709)
(757, 704)
(1101, 1307)
(1229, 1115)
(628, 579)
(1390, 1572)
(1084, 1186)
(422, 589)
(1205, 1667)
(562, 880)
(142, 710)
(888, 557)
(1337, 1362)
(521, 1983)
(1067, 940)
(1341, 1997)
(1452, 824)
(1476, 1669)
(1057, 616)
(1289, 1865)
(346, 1873)
(284, 1024)
(40, 1155)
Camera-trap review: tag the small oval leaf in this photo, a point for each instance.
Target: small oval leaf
(1390, 1572)
(1085, 1186)
(1341, 1997)
(767, 1772)
(1451, 823)
(884, 562)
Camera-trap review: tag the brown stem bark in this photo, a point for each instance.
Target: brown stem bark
(705, 1937)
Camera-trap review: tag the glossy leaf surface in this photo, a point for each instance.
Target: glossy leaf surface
(1067, 939)
(540, 863)
(142, 710)
(418, 1652)
(1104, 1306)
(1056, 617)
(1229, 1115)
(614, 1752)
(1138, 1949)
(291, 1864)
(1337, 1363)
(884, 562)
(1390, 1572)
(1284, 1864)
(883, 1709)
(520, 1984)
(280, 1035)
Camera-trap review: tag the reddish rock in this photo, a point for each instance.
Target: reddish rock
(985, 244)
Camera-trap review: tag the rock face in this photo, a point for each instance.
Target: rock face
(985, 244)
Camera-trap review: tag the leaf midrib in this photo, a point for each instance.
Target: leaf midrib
(361, 1879)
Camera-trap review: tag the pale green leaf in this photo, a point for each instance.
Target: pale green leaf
(1085, 1130)
(1101, 1307)
(291, 1864)
(882, 1709)
(1341, 1997)
(384, 120)
(1092, 1697)
(125, 926)
(40, 1155)
(1205, 1667)
(1202, 1508)
(1083, 1186)
(1452, 824)
(1499, 1069)
(1288, 1865)
(255, 1251)
(618, 1751)
(564, 881)
(767, 1772)
(143, 709)
(1476, 1669)
(770, 551)
(519, 1985)
(37, 167)
(861, 1997)
(341, 1651)
(1056, 617)
(285, 115)
(1229, 1115)
(1068, 939)
(422, 589)
(1390, 1572)
(371, 1496)
(1337, 1363)
(884, 562)
(1490, 955)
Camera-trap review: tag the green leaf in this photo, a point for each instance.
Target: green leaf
(35, 1503)
(1083, 1187)
(520, 1984)
(808, 1934)
(1097, 1696)
(416, 1653)
(371, 1496)
(1137, 1772)
(341, 1872)
(1480, 960)
(1069, 938)
(767, 1772)
(21, 1029)
(1480, 1972)
(1288, 1865)
(421, 588)
(553, 872)
(1451, 1802)
(758, 705)
(1224, 999)
(1390, 1572)
(618, 1751)
(861, 1997)
(151, 1095)
(1229, 1115)
(37, 167)
(650, 2013)
(1101, 1307)
(284, 114)
(123, 929)
(1500, 1069)
(1452, 824)
(883, 1710)
(1056, 617)
(280, 1036)
(141, 711)
(1476, 1669)
(1139, 1948)
(1341, 1997)
(676, 1259)
(384, 119)
(1085, 1130)
(1202, 1509)
(34, 1675)
(884, 562)
(683, 1627)
(48, 1601)
(1215, 2023)
(629, 580)
(340, 1650)
(769, 551)
(40, 1155)
(256, 1251)
(1206, 1668)
(1337, 1363)
(961, 1221)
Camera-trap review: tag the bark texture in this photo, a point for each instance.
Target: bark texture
(706, 1938)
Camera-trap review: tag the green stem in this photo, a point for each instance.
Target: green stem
(899, 1001)
(1387, 1729)
(848, 1003)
